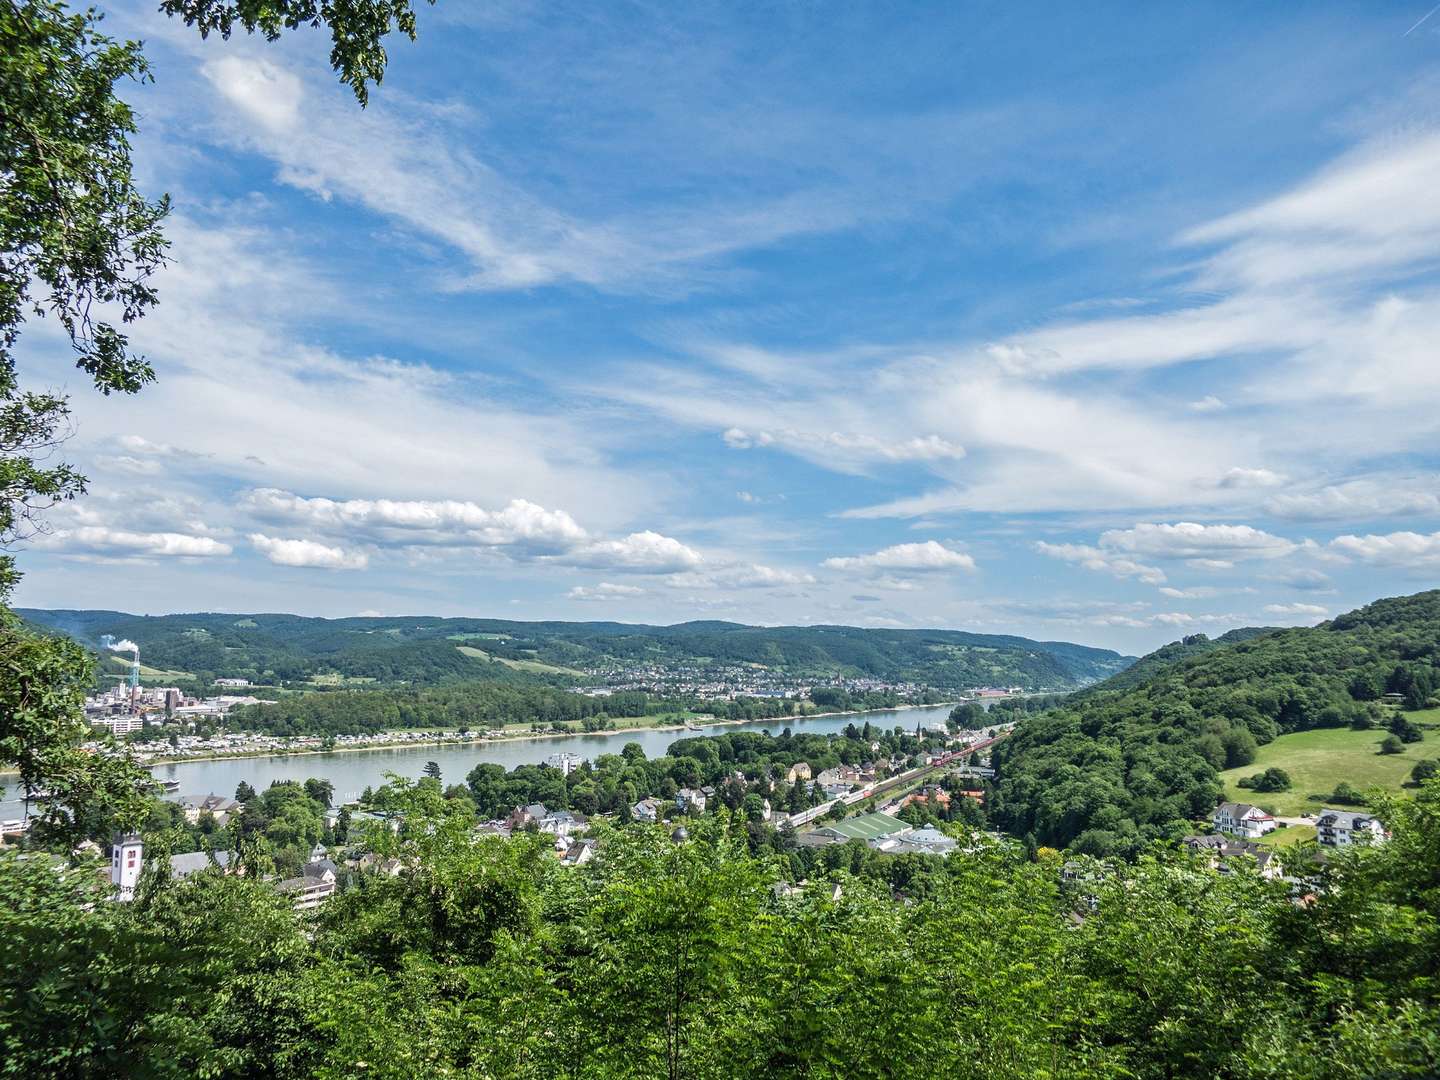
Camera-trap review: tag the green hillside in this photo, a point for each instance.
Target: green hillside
(1322, 758)
(1122, 765)
(424, 650)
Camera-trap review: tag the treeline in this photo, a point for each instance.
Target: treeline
(474, 706)
(487, 958)
(746, 769)
(1118, 766)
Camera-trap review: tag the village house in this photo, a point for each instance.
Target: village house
(1341, 828)
(646, 810)
(1242, 819)
(218, 806)
(561, 823)
(313, 887)
(578, 853)
(799, 771)
(527, 815)
(691, 799)
(1220, 849)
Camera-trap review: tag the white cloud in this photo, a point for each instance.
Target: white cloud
(1209, 403)
(1092, 558)
(261, 90)
(847, 447)
(1403, 549)
(927, 556)
(101, 540)
(1359, 500)
(740, 576)
(1199, 592)
(308, 553)
(645, 552)
(1209, 545)
(604, 591)
(449, 521)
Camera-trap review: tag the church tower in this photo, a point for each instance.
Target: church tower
(126, 860)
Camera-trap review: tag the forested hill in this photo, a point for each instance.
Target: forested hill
(1151, 664)
(1121, 765)
(429, 650)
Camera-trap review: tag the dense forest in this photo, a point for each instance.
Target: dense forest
(665, 957)
(475, 706)
(1123, 764)
(425, 650)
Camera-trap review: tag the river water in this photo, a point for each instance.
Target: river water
(351, 771)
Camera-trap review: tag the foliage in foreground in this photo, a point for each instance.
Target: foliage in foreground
(486, 958)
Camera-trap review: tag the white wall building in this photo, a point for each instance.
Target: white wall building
(1242, 819)
(126, 861)
(1341, 828)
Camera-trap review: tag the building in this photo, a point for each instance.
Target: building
(119, 725)
(192, 862)
(1342, 828)
(925, 841)
(127, 862)
(566, 763)
(561, 823)
(691, 799)
(578, 853)
(218, 806)
(127, 859)
(799, 771)
(232, 682)
(527, 815)
(1221, 849)
(646, 810)
(1242, 819)
(865, 827)
(311, 888)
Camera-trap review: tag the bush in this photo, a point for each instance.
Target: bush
(1345, 795)
(1272, 779)
(1424, 770)
(1391, 744)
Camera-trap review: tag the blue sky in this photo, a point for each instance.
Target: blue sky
(1107, 323)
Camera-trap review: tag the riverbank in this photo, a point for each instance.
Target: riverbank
(488, 739)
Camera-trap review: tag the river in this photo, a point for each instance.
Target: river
(351, 771)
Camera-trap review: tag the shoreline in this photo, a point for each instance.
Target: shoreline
(418, 743)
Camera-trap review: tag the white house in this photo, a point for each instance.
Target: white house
(1341, 828)
(1242, 819)
(313, 887)
(561, 823)
(647, 810)
(690, 798)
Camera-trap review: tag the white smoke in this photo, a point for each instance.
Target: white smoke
(123, 645)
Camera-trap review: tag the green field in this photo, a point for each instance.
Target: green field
(1288, 835)
(1318, 760)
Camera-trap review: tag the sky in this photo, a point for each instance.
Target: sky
(1105, 323)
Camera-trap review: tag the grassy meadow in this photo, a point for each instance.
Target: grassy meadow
(1318, 760)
